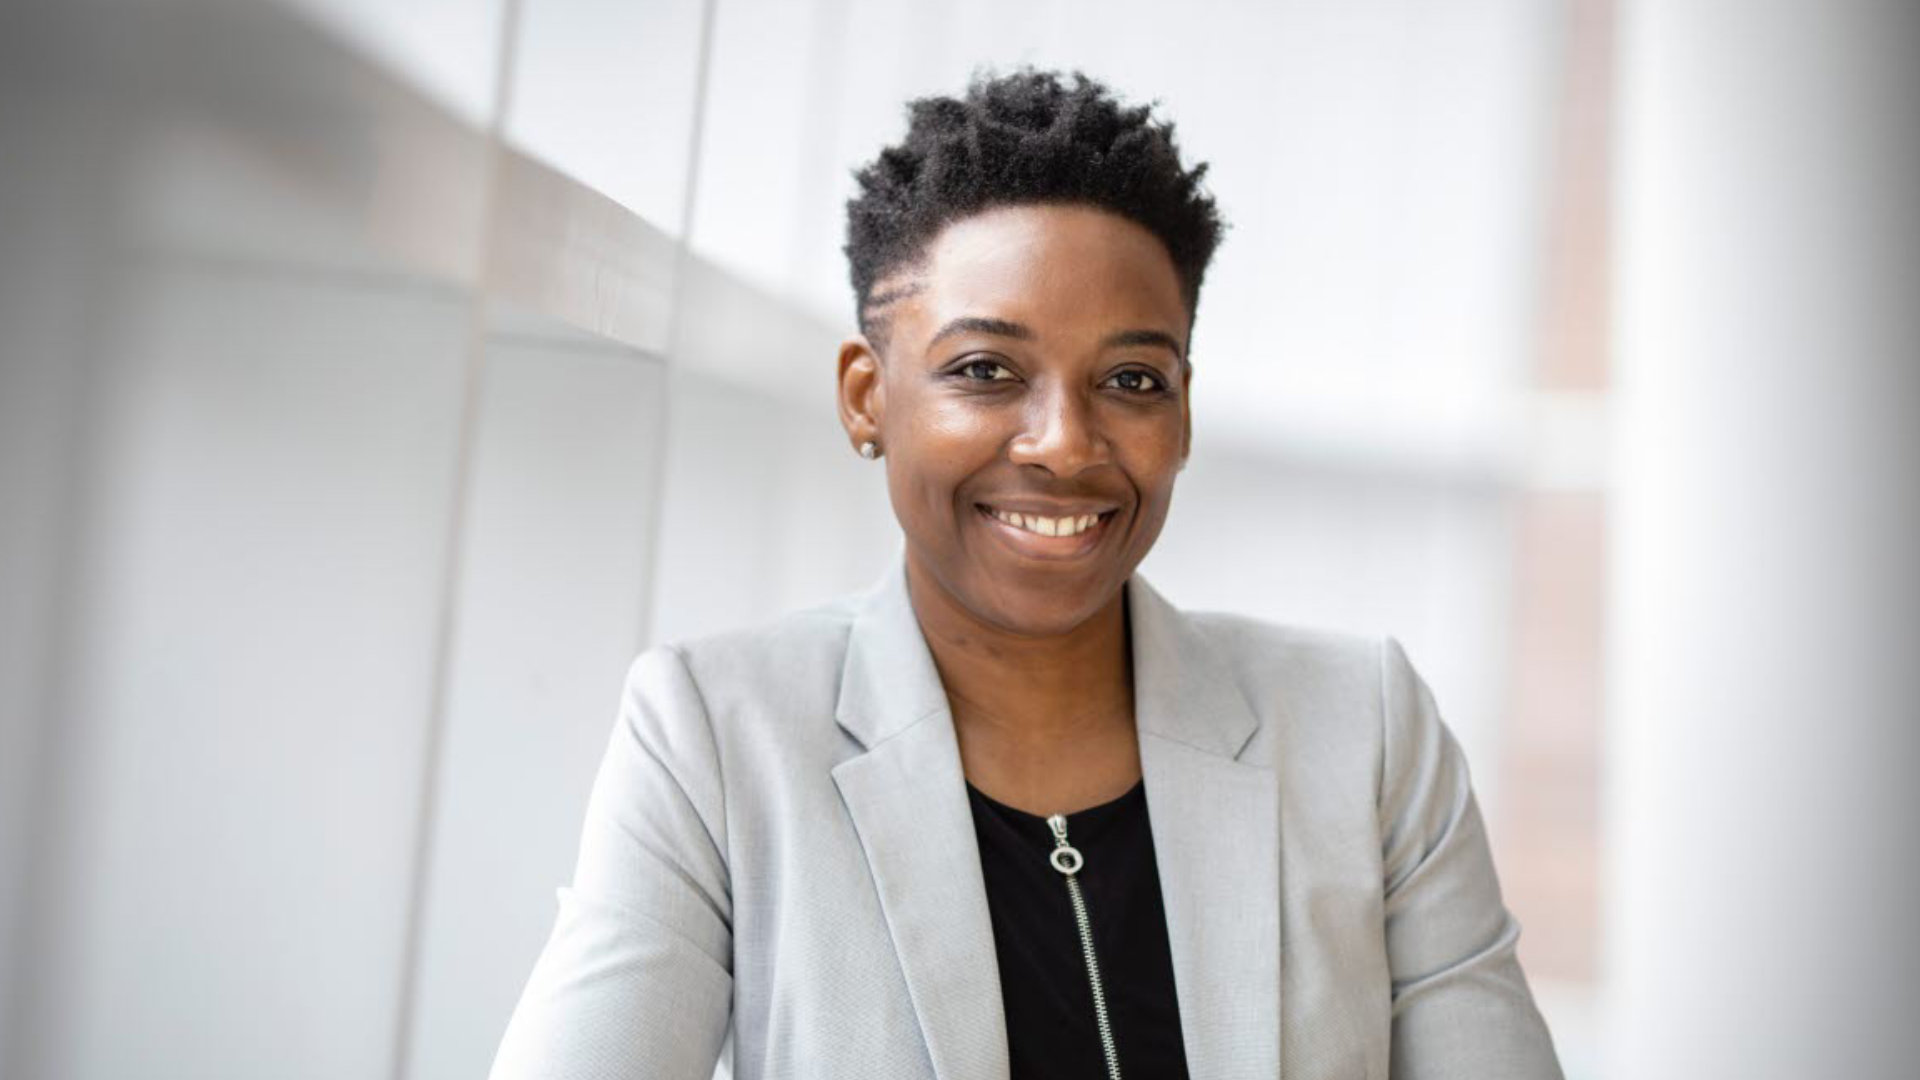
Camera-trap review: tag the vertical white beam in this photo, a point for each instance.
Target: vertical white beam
(454, 548)
(648, 600)
(1765, 629)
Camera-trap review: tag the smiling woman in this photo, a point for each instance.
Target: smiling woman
(1033, 367)
(1010, 813)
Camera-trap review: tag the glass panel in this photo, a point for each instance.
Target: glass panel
(550, 603)
(447, 48)
(253, 652)
(604, 91)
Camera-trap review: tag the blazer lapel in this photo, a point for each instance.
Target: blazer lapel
(1216, 837)
(1215, 823)
(907, 796)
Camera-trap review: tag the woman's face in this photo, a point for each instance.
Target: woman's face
(1031, 367)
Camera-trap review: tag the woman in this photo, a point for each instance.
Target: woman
(1011, 813)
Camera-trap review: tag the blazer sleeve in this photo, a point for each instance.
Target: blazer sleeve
(1461, 1007)
(635, 979)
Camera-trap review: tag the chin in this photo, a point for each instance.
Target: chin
(1041, 604)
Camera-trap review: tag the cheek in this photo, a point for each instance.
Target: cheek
(958, 428)
(1149, 447)
(1151, 458)
(937, 447)
(951, 439)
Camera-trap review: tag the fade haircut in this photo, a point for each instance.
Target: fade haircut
(1025, 137)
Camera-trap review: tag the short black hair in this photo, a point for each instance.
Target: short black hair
(1021, 138)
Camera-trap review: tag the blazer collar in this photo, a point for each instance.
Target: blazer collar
(1183, 691)
(1215, 824)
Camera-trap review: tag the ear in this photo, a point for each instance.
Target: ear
(1186, 411)
(862, 395)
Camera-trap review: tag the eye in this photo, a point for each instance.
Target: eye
(984, 370)
(1137, 381)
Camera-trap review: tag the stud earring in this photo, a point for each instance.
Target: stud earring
(869, 449)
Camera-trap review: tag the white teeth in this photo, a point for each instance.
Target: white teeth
(1046, 526)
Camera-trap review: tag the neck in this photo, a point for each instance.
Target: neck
(1024, 689)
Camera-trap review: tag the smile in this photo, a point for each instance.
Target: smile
(1048, 535)
(1048, 526)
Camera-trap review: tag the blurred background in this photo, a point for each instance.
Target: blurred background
(380, 377)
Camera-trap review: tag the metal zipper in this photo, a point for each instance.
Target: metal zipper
(1068, 860)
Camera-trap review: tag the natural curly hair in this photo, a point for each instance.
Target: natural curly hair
(1021, 138)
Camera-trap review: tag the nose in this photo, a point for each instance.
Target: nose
(1061, 434)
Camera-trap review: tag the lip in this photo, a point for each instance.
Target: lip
(1035, 546)
(1049, 509)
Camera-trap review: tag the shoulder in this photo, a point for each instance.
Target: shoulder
(757, 674)
(789, 650)
(1298, 661)
(1327, 699)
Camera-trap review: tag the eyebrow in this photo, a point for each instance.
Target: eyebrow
(1143, 337)
(975, 324)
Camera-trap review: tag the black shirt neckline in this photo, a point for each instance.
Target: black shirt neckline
(1090, 815)
(1046, 997)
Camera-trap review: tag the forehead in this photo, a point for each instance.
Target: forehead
(1060, 270)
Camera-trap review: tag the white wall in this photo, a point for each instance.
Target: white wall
(563, 495)
(765, 509)
(338, 557)
(251, 656)
(1766, 603)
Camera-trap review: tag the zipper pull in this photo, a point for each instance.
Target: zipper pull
(1065, 858)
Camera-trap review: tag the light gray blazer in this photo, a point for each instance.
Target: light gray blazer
(779, 848)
